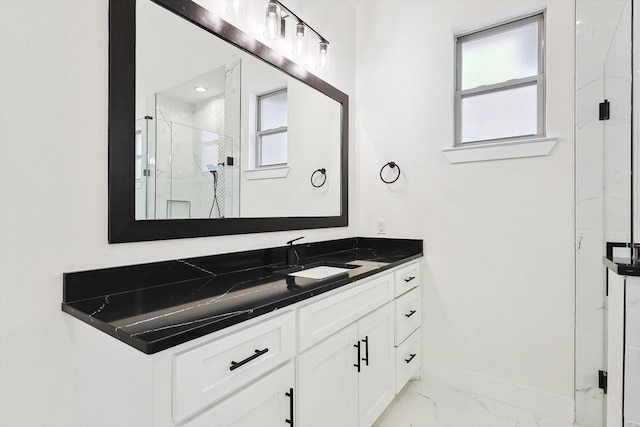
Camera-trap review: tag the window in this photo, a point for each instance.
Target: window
(271, 135)
(500, 83)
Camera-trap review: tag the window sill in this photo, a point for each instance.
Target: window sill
(267, 173)
(500, 150)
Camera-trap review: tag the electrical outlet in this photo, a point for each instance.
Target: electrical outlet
(382, 226)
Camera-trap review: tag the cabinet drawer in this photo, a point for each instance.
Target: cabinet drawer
(265, 402)
(320, 319)
(211, 371)
(408, 314)
(408, 357)
(407, 277)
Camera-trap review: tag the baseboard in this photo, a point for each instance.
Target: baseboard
(540, 402)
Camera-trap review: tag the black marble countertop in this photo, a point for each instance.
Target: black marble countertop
(622, 265)
(159, 305)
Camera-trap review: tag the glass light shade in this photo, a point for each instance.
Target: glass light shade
(300, 40)
(272, 20)
(237, 8)
(323, 60)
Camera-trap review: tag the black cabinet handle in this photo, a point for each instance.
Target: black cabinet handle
(408, 279)
(365, 359)
(411, 313)
(236, 365)
(290, 420)
(410, 358)
(357, 365)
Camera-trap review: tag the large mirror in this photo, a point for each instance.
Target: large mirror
(208, 137)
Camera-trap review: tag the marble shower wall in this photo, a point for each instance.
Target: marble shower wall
(184, 187)
(603, 35)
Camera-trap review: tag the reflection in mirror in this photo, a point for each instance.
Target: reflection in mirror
(204, 144)
(182, 162)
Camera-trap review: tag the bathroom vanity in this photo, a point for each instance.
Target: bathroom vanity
(245, 339)
(623, 344)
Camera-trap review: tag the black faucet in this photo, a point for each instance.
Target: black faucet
(292, 257)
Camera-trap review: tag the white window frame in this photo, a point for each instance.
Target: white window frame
(539, 79)
(262, 132)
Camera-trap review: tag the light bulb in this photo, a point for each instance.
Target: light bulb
(323, 63)
(300, 47)
(272, 20)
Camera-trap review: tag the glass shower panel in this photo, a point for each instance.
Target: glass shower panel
(617, 133)
(635, 225)
(145, 168)
(194, 179)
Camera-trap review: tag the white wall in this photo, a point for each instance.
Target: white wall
(53, 188)
(498, 235)
(499, 263)
(313, 142)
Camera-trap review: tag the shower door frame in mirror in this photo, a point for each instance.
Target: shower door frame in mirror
(123, 226)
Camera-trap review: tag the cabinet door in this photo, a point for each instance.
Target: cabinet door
(265, 403)
(328, 381)
(377, 376)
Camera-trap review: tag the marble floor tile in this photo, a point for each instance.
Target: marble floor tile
(423, 404)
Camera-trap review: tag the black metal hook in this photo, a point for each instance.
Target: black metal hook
(323, 171)
(392, 165)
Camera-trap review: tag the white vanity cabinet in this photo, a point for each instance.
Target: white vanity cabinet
(408, 319)
(347, 379)
(267, 402)
(337, 359)
(206, 373)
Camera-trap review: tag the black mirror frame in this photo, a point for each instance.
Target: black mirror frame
(123, 227)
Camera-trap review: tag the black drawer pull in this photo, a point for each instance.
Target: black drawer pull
(236, 365)
(411, 313)
(357, 365)
(410, 358)
(410, 278)
(290, 395)
(365, 359)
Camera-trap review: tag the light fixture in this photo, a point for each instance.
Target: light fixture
(200, 89)
(300, 46)
(272, 24)
(275, 25)
(237, 8)
(323, 63)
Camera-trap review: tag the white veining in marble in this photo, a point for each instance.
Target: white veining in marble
(596, 24)
(591, 304)
(422, 404)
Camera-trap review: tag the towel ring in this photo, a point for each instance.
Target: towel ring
(323, 171)
(392, 165)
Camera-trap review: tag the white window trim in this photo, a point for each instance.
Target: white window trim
(514, 149)
(267, 172)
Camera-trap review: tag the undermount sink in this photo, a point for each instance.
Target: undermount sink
(320, 272)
